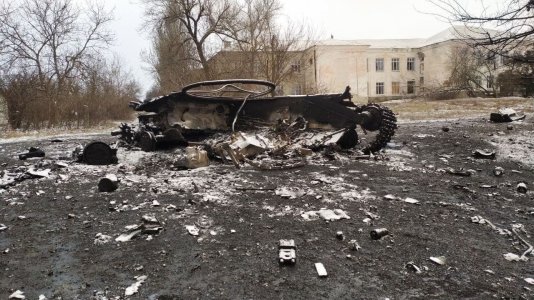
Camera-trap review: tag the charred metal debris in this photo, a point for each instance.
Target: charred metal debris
(237, 120)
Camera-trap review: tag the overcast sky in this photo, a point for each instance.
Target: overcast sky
(344, 19)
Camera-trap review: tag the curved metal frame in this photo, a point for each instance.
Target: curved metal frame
(229, 84)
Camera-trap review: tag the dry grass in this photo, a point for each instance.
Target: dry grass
(105, 127)
(420, 109)
(406, 110)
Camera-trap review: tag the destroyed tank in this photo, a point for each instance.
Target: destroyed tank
(243, 104)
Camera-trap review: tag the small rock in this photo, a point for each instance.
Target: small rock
(445, 129)
(108, 184)
(529, 280)
(340, 236)
(192, 229)
(498, 171)
(522, 188)
(378, 233)
(510, 127)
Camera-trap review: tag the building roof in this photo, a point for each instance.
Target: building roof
(452, 33)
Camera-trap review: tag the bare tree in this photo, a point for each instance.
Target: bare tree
(224, 39)
(472, 70)
(499, 27)
(52, 51)
(171, 60)
(52, 37)
(201, 21)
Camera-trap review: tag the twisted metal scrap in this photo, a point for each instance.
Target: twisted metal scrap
(515, 230)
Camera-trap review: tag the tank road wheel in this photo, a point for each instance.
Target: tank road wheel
(147, 141)
(383, 121)
(99, 153)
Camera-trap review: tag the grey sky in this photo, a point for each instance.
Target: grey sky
(345, 19)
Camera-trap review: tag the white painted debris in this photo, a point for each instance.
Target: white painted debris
(3, 227)
(514, 257)
(440, 260)
(478, 220)
(193, 230)
(149, 219)
(132, 289)
(489, 271)
(61, 164)
(42, 297)
(170, 207)
(39, 173)
(411, 266)
(321, 271)
(390, 197)
(196, 158)
(411, 200)
(529, 280)
(326, 214)
(17, 295)
(351, 195)
(155, 203)
(101, 239)
(125, 237)
(353, 245)
(250, 145)
(289, 193)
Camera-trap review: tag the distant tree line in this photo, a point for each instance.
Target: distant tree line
(54, 65)
(197, 40)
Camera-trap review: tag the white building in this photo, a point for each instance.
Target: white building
(378, 69)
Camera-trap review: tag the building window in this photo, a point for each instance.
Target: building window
(422, 66)
(395, 64)
(411, 86)
(295, 68)
(410, 65)
(380, 88)
(379, 64)
(395, 88)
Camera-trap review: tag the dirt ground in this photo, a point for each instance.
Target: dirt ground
(60, 235)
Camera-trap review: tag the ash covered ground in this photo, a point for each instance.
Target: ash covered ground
(218, 227)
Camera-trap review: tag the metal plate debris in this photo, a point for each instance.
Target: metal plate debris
(321, 271)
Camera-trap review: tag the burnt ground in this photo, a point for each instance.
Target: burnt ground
(49, 245)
